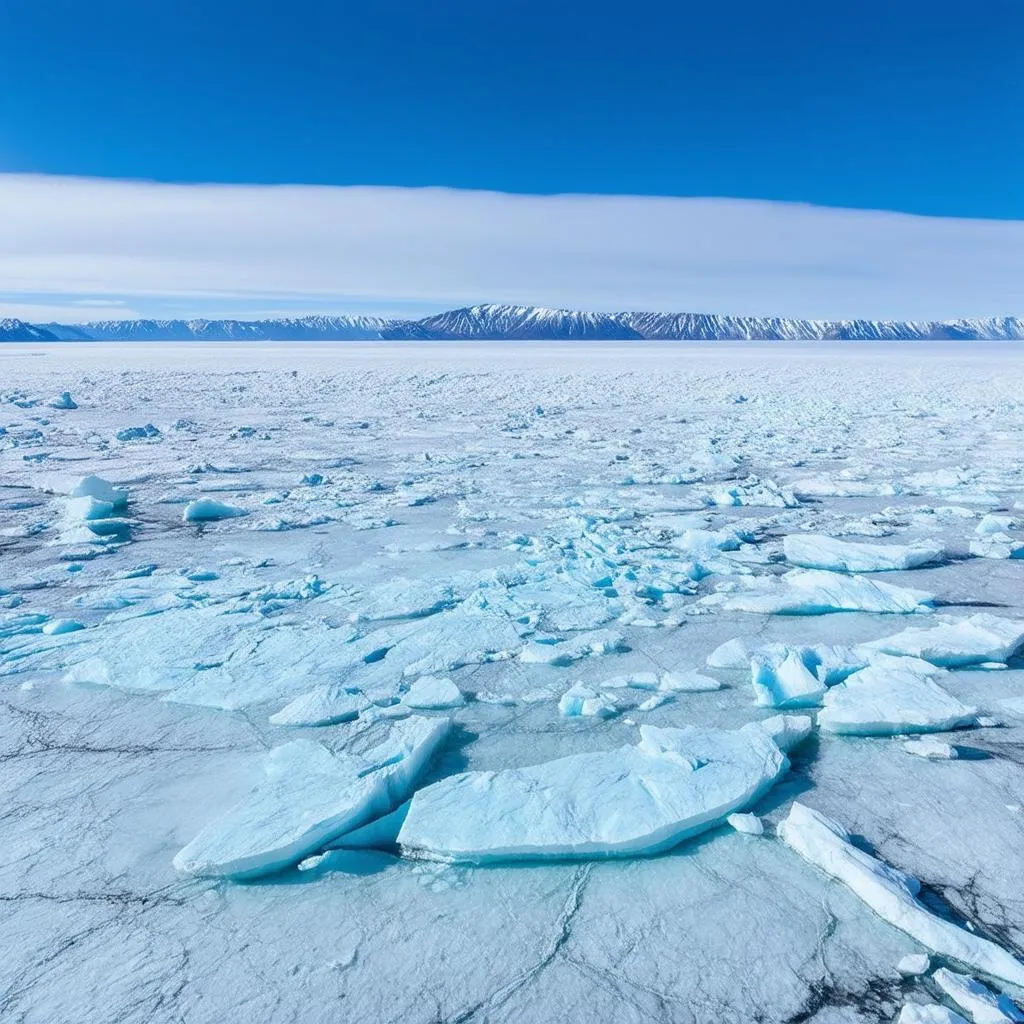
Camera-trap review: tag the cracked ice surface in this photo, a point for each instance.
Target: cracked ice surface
(591, 545)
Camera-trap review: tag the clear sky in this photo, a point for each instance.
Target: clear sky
(898, 105)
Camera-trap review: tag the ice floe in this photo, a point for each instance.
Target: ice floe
(635, 800)
(892, 696)
(956, 643)
(814, 551)
(206, 510)
(309, 797)
(891, 894)
(977, 1000)
(817, 592)
(929, 1013)
(433, 693)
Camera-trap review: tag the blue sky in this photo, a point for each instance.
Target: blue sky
(896, 105)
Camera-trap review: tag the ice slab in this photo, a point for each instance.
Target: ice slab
(732, 654)
(750, 824)
(893, 696)
(309, 797)
(816, 551)
(580, 701)
(433, 693)
(818, 592)
(206, 510)
(913, 965)
(979, 1001)
(102, 490)
(565, 652)
(955, 643)
(326, 705)
(781, 679)
(931, 749)
(635, 800)
(891, 894)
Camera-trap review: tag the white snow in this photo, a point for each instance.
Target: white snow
(815, 551)
(891, 894)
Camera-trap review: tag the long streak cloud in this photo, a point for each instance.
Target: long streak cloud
(144, 241)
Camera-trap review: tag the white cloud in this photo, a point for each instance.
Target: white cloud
(242, 244)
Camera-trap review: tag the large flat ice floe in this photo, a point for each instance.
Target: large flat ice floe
(309, 797)
(818, 592)
(815, 551)
(956, 643)
(635, 800)
(893, 696)
(891, 894)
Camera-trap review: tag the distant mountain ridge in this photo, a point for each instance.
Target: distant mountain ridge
(534, 323)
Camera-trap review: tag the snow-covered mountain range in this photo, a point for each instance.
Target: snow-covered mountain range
(503, 322)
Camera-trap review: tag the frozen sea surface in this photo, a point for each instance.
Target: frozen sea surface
(240, 583)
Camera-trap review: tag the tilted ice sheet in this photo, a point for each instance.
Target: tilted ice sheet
(815, 551)
(892, 894)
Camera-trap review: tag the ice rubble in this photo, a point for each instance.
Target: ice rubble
(309, 797)
(913, 965)
(783, 680)
(816, 551)
(982, 1004)
(100, 489)
(559, 652)
(891, 894)
(62, 401)
(817, 592)
(206, 510)
(893, 696)
(631, 801)
(956, 643)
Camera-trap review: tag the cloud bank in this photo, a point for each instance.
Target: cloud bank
(147, 243)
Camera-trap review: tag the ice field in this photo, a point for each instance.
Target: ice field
(512, 682)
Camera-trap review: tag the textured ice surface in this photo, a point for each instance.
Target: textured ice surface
(891, 696)
(892, 894)
(436, 511)
(929, 1013)
(635, 800)
(813, 551)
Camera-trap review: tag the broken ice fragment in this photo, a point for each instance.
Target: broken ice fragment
(205, 510)
(930, 748)
(891, 894)
(892, 696)
(982, 1004)
(955, 643)
(580, 701)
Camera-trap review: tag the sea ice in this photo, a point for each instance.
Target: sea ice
(430, 693)
(893, 696)
(982, 1004)
(913, 965)
(309, 797)
(580, 701)
(62, 401)
(815, 551)
(100, 489)
(325, 705)
(781, 679)
(955, 643)
(205, 510)
(930, 748)
(732, 654)
(565, 652)
(751, 824)
(891, 894)
(818, 592)
(634, 800)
